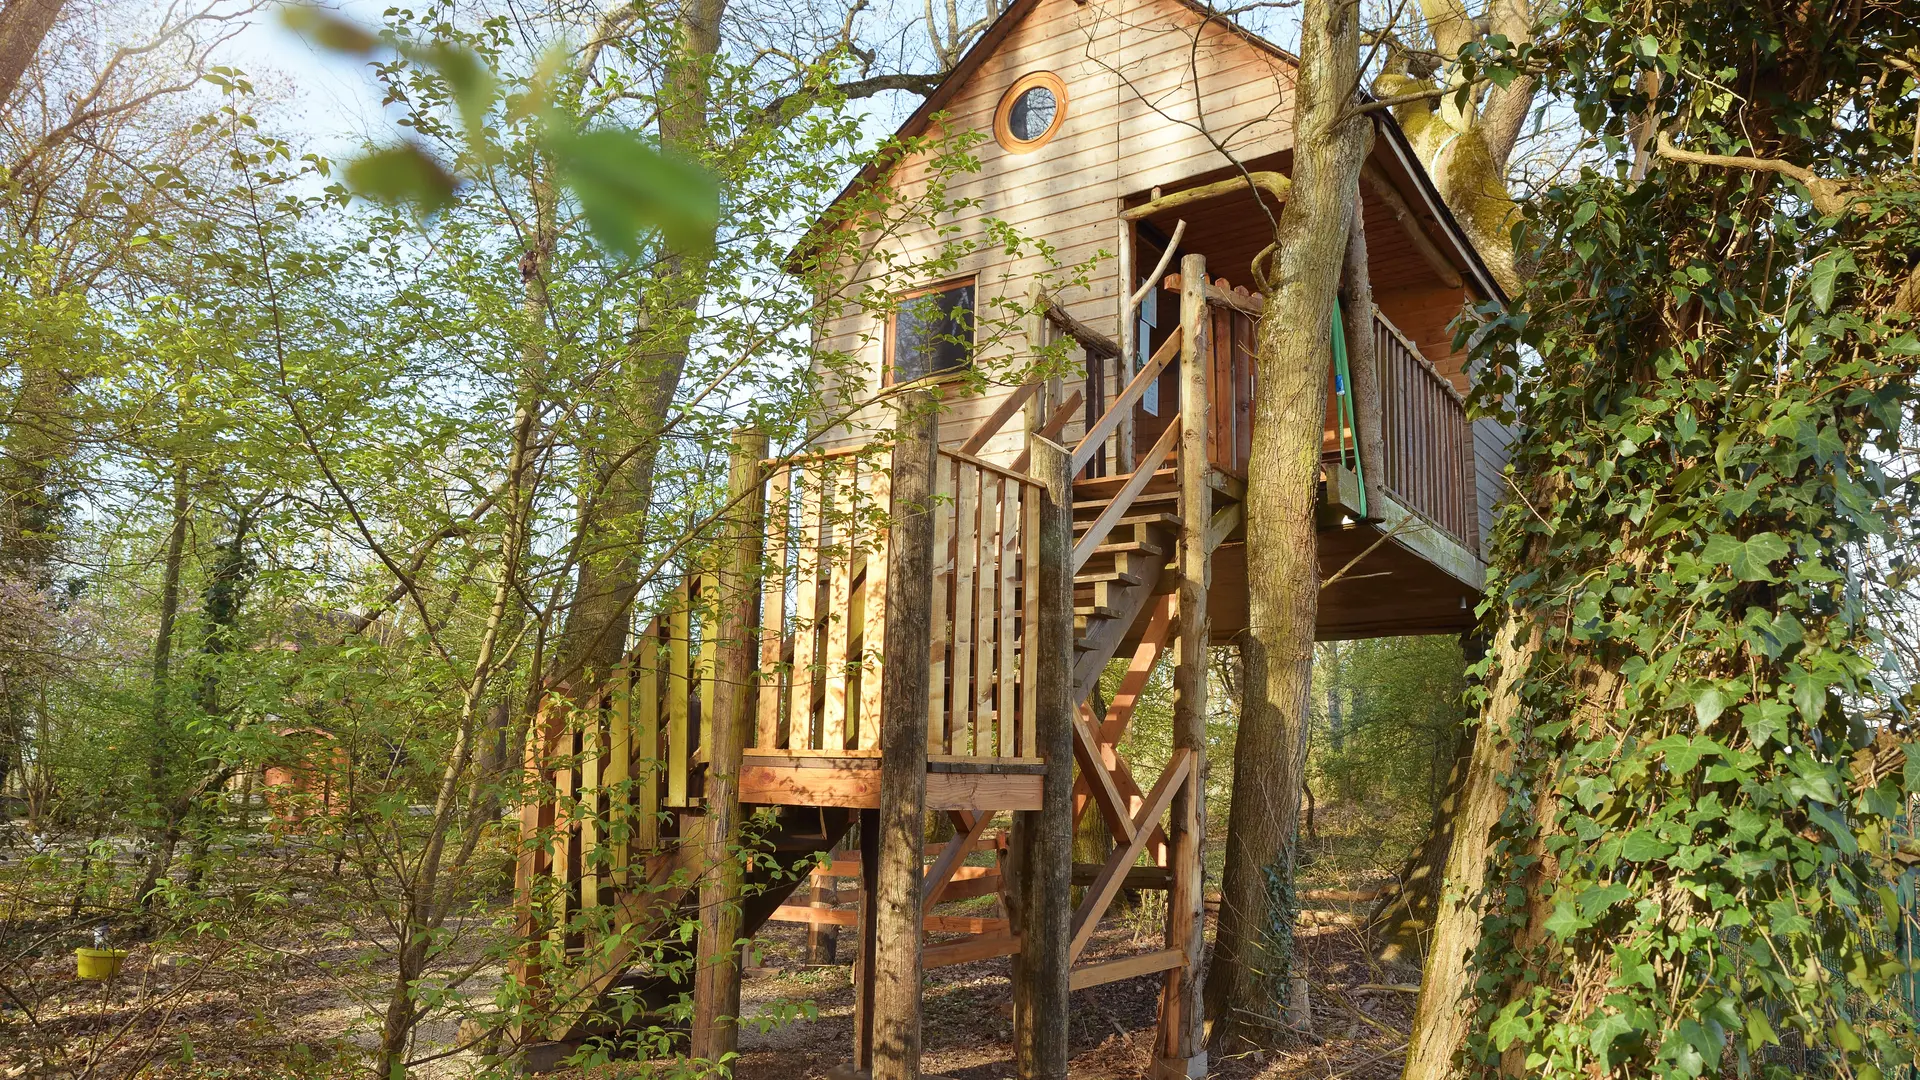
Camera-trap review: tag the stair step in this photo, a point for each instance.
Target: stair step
(1106, 487)
(1092, 508)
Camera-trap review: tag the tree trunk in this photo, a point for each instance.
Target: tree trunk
(906, 678)
(160, 749)
(716, 993)
(1252, 952)
(640, 397)
(23, 26)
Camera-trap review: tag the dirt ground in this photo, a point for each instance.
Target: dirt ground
(289, 987)
(1357, 1033)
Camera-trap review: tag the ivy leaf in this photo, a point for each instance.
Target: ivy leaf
(1708, 704)
(1748, 559)
(1822, 278)
(1683, 753)
(1565, 921)
(1642, 846)
(1610, 1027)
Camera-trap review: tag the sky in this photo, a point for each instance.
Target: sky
(331, 99)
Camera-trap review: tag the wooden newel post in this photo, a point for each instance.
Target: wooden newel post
(716, 984)
(894, 899)
(1179, 1050)
(1045, 836)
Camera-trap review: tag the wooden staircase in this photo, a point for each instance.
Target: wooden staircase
(615, 844)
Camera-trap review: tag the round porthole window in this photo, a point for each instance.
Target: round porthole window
(1030, 112)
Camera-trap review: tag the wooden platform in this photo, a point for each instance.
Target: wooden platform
(854, 782)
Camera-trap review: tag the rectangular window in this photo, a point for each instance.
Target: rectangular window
(932, 332)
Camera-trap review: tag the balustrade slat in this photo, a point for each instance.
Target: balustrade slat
(943, 540)
(646, 723)
(1004, 712)
(966, 530)
(986, 610)
(838, 616)
(806, 608)
(873, 634)
(1029, 621)
(773, 612)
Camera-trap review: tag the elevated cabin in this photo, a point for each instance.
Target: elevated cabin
(1155, 133)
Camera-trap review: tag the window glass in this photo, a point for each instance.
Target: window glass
(1032, 114)
(933, 332)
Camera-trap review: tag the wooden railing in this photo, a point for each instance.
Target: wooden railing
(1424, 426)
(986, 590)
(823, 609)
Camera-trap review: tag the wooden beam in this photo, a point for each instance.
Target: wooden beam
(1100, 894)
(1422, 243)
(996, 420)
(1090, 339)
(1272, 183)
(940, 874)
(1057, 422)
(1123, 404)
(1225, 520)
(967, 950)
(1100, 783)
(1127, 967)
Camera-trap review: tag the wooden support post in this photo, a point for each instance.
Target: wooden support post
(1179, 1050)
(716, 982)
(1046, 858)
(864, 964)
(906, 679)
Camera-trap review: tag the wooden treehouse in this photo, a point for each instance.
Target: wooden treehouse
(1096, 117)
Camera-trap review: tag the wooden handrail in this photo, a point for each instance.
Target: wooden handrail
(1123, 405)
(988, 466)
(998, 418)
(1055, 424)
(1123, 499)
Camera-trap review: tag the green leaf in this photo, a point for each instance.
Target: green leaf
(327, 30)
(626, 186)
(403, 174)
(1565, 920)
(1749, 559)
(1641, 845)
(470, 79)
(1823, 276)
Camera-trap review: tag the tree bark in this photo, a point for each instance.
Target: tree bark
(23, 26)
(1251, 959)
(906, 679)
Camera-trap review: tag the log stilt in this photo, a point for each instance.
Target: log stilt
(1040, 994)
(1179, 1048)
(716, 986)
(906, 680)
